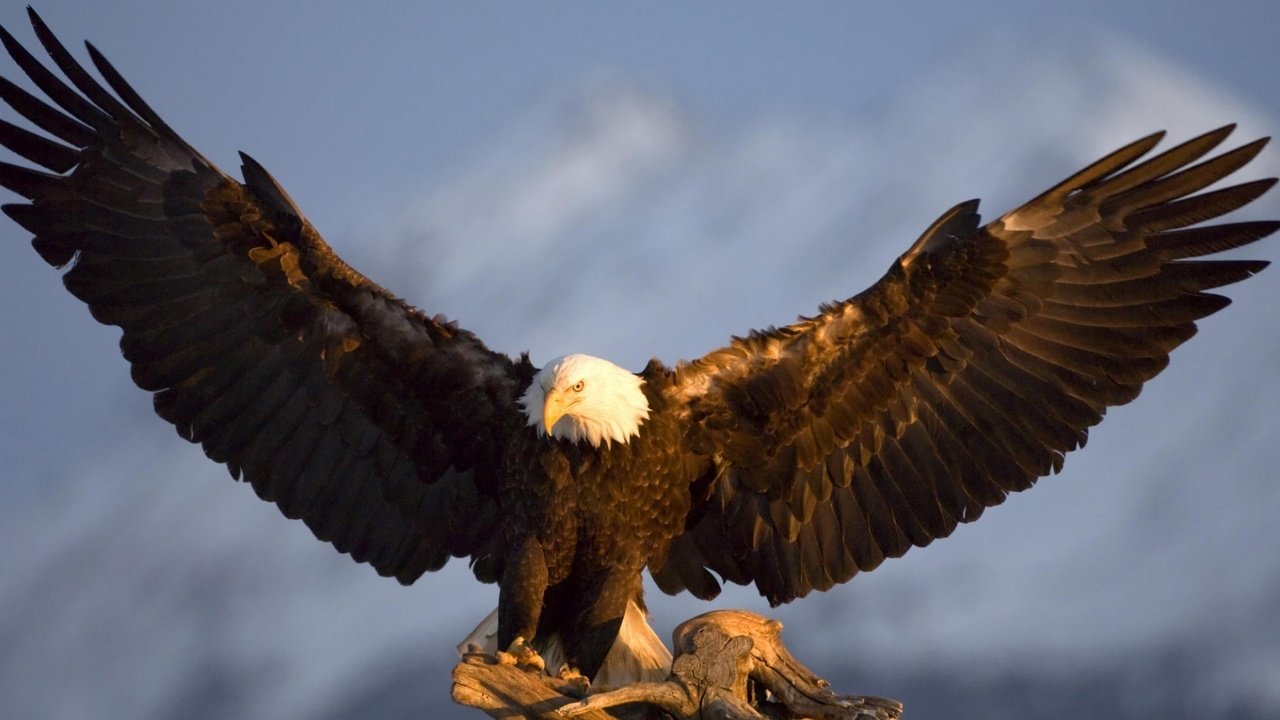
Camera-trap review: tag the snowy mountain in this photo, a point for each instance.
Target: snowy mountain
(140, 582)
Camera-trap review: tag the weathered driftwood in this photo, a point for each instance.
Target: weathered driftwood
(729, 665)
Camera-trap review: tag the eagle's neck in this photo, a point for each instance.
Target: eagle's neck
(586, 399)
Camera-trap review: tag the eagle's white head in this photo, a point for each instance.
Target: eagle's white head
(580, 397)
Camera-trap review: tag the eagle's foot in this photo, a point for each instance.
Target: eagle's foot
(569, 681)
(523, 656)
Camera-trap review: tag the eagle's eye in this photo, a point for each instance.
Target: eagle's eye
(577, 387)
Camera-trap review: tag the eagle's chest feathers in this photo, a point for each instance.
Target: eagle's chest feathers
(612, 507)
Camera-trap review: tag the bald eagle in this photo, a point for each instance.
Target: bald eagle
(792, 458)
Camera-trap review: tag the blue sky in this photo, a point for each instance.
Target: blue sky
(635, 180)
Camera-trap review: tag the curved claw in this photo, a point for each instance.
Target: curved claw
(523, 656)
(571, 682)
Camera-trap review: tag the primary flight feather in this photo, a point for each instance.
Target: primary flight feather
(791, 459)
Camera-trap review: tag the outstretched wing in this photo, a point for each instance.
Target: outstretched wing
(964, 374)
(337, 401)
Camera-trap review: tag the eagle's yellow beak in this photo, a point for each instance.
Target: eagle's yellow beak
(553, 409)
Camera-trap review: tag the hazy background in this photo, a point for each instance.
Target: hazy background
(643, 180)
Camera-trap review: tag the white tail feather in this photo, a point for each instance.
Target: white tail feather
(638, 655)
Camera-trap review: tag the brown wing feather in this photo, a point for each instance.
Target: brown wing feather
(966, 373)
(347, 408)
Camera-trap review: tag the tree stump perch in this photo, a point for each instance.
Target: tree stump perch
(729, 665)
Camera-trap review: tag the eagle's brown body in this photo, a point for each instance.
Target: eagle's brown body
(790, 459)
(582, 523)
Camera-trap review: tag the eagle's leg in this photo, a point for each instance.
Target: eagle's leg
(597, 622)
(524, 582)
